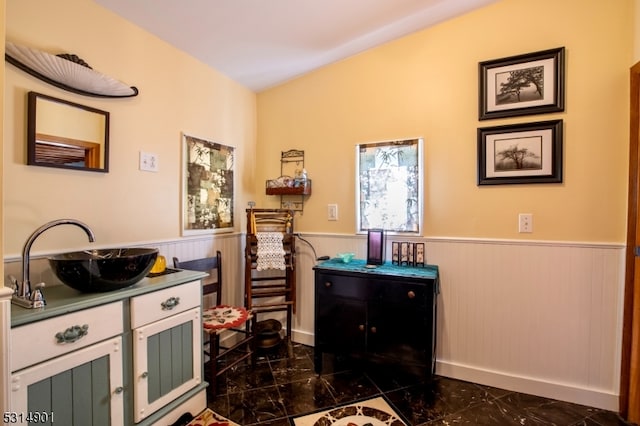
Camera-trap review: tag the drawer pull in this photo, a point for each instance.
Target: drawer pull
(411, 294)
(374, 330)
(170, 303)
(72, 334)
(361, 327)
(328, 284)
(119, 390)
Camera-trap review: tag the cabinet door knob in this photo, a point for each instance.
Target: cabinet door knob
(374, 330)
(144, 375)
(411, 294)
(119, 390)
(328, 284)
(361, 327)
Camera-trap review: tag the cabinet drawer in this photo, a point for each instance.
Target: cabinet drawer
(337, 285)
(164, 303)
(46, 339)
(373, 289)
(411, 294)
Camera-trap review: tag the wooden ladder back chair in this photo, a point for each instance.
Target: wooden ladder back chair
(220, 319)
(212, 265)
(270, 292)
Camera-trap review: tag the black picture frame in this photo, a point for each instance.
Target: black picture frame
(420, 255)
(404, 253)
(395, 250)
(532, 83)
(521, 153)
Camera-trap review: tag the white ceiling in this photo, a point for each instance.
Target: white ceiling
(261, 43)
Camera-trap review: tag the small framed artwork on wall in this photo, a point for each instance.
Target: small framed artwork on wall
(520, 153)
(207, 187)
(532, 83)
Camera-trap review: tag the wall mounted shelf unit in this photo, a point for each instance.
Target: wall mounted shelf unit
(292, 186)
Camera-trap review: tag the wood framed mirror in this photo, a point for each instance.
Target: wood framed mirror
(66, 135)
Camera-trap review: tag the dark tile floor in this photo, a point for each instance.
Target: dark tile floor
(279, 388)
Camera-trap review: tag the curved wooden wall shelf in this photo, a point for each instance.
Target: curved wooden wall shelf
(67, 72)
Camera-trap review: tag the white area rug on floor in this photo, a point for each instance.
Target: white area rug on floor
(209, 418)
(373, 412)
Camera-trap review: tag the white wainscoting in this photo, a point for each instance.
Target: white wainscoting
(536, 317)
(543, 318)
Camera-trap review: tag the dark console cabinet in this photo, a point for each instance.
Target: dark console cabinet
(383, 315)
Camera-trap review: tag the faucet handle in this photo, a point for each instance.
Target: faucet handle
(15, 285)
(37, 297)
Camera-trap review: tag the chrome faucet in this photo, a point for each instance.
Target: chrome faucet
(23, 294)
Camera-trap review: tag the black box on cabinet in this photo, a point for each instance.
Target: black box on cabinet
(375, 247)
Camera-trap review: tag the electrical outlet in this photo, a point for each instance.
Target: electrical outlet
(332, 212)
(525, 222)
(149, 162)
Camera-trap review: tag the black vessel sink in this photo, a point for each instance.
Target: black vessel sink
(103, 270)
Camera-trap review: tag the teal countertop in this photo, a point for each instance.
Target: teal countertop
(62, 299)
(359, 265)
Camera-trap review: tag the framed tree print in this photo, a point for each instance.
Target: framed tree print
(520, 153)
(532, 83)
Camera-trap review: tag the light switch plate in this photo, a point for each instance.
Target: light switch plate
(149, 162)
(332, 212)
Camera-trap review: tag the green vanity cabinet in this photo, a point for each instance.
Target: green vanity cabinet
(72, 389)
(167, 342)
(68, 369)
(121, 358)
(384, 315)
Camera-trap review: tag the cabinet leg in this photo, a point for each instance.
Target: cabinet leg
(317, 360)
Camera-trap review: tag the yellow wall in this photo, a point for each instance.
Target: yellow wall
(426, 85)
(421, 85)
(177, 94)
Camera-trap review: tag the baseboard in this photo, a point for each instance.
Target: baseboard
(597, 398)
(302, 337)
